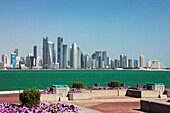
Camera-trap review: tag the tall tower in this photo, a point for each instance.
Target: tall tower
(65, 56)
(51, 54)
(46, 54)
(104, 58)
(16, 52)
(5, 60)
(121, 61)
(74, 55)
(60, 51)
(13, 60)
(35, 54)
(141, 61)
(35, 51)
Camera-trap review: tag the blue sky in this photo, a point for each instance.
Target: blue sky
(130, 27)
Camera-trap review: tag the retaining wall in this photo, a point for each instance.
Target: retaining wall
(143, 94)
(155, 106)
(49, 98)
(80, 96)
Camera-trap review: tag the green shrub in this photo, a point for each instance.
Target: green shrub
(114, 83)
(78, 85)
(30, 97)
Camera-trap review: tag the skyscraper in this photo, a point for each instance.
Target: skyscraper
(5, 60)
(104, 58)
(13, 60)
(136, 64)
(35, 52)
(65, 56)
(30, 61)
(16, 52)
(121, 61)
(125, 61)
(141, 61)
(46, 53)
(51, 54)
(129, 63)
(60, 51)
(74, 55)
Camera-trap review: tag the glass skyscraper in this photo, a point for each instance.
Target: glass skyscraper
(13, 60)
(60, 51)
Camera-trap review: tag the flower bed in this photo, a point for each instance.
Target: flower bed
(47, 91)
(74, 90)
(41, 108)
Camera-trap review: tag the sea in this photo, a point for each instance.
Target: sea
(41, 79)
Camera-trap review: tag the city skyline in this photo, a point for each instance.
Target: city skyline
(118, 27)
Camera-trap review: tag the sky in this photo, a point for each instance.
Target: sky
(130, 27)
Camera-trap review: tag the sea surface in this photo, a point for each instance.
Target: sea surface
(41, 79)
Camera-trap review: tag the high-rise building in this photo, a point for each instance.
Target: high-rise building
(5, 60)
(51, 54)
(112, 64)
(60, 51)
(82, 61)
(98, 56)
(116, 62)
(104, 58)
(136, 64)
(65, 56)
(35, 52)
(30, 61)
(16, 52)
(121, 61)
(125, 61)
(129, 63)
(78, 57)
(48, 53)
(13, 60)
(74, 56)
(141, 61)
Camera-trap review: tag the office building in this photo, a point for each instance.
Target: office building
(30, 61)
(74, 56)
(48, 53)
(60, 51)
(125, 61)
(98, 56)
(78, 58)
(104, 58)
(121, 61)
(116, 62)
(136, 64)
(35, 51)
(65, 56)
(13, 60)
(51, 54)
(16, 52)
(5, 60)
(141, 61)
(155, 64)
(129, 63)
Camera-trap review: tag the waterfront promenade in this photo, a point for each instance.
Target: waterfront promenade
(98, 105)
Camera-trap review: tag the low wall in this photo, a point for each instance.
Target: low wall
(49, 98)
(143, 94)
(80, 96)
(102, 93)
(155, 106)
(167, 93)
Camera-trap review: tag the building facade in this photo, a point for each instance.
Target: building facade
(60, 52)
(13, 60)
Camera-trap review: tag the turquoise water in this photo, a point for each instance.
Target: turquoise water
(23, 79)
